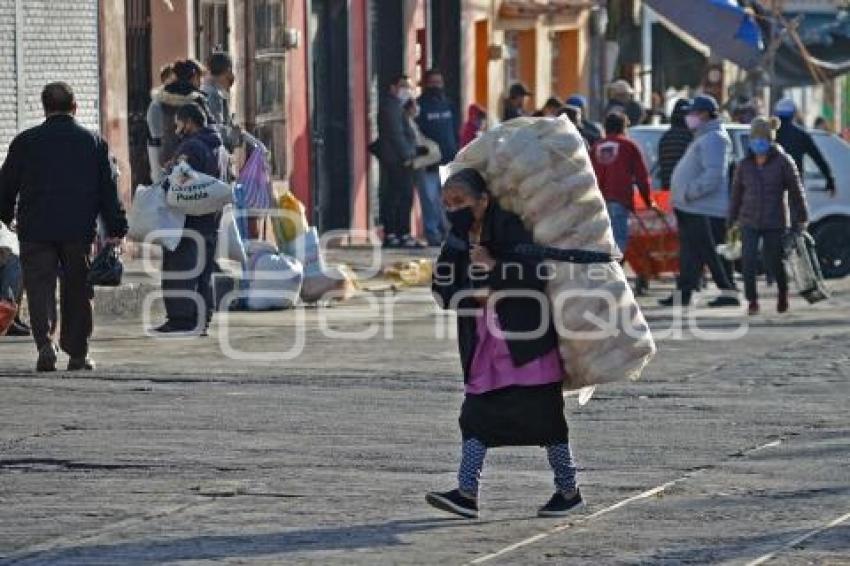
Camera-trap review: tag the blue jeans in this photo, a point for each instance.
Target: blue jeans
(433, 215)
(619, 216)
(11, 279)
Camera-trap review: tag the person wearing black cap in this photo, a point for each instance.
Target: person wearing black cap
(552, 107)
(515, 103)
(512, 380)
(700, 191)
(674, 143)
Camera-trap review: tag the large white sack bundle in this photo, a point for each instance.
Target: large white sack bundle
(150, 213)
(539, 169)
(195, 193)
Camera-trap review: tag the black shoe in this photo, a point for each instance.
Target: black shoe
(172, 329)
(81, 364)
(47, 358)
(18, 328)
(560, 505)
(671, 301)
(454, 502)
(724, 301)
(392, 241)
(408, 242)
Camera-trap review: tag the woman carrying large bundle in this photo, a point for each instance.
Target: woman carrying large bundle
(508, 347)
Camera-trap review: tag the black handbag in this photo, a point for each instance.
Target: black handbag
(107, 268)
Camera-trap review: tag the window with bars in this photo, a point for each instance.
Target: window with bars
(213, 28)
(266, 68)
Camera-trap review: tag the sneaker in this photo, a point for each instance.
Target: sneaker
(392, 241)
(753, 309)
(454, 502)
(724, 301)
(671, 301)
(81, 364)
(560, 505)
(47, 358)
(172, 329)
(411, 243)
(782, 303)
(18, 328)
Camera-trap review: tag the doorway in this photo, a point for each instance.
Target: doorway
(138, 22)
(330, 121)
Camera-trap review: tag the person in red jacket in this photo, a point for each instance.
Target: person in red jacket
(619, 166)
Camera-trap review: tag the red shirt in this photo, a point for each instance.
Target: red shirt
(619, 166)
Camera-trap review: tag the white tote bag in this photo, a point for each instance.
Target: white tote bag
(149, 213)
(196, 194)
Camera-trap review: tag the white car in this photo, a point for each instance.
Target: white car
(829, 216)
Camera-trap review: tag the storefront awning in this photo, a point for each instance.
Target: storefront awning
(534, 8)
(729, 31)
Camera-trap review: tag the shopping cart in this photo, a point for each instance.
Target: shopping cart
(653, 247)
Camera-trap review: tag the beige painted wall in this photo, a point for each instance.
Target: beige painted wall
(172, 34)
(113, 88)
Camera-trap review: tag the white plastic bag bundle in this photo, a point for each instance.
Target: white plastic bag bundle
(540, 170)
(274, 281)
(196, 194)
(320, 280)
(150, 212)
(230, 244)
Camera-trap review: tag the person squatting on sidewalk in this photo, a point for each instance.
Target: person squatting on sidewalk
(60, 175)
(513, 385)
(760, 208)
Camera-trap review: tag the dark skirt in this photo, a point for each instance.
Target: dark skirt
(516, 416)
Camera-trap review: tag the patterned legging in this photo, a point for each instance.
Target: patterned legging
(472, 462)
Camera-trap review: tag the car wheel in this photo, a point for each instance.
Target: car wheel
(832, 239)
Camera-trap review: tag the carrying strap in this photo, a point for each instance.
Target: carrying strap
(538, 252)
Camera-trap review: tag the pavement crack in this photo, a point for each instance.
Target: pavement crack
(33, 465)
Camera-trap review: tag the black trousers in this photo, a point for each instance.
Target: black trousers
(718, 232)
(396, 198)
(697, 250)
(771, 253)
(186, 276)
(42, 263)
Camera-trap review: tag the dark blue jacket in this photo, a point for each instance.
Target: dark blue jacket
(201, 152)
(60, 176)
(438, 121)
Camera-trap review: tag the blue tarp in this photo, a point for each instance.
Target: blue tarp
(727, 29)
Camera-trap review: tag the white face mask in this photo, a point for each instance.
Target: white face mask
(693, 121)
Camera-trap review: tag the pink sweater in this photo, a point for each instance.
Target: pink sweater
(493, 368)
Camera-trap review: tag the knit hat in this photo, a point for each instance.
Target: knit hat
(764, 128)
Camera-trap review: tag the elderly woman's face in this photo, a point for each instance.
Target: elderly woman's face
(458, 196)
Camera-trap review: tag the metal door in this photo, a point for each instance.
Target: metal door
(138, 21)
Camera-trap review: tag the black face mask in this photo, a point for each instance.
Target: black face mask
(436, 91)
(461, 220)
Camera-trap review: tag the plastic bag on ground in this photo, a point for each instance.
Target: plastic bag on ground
(194, 193)
(803, 266)
(540, 170)
(321, 282)
(150, 212)
(274, 281)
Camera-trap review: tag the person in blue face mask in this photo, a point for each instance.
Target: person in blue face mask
(760, 208)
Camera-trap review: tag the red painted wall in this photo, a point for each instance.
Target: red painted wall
(359, 114)
(298, 120)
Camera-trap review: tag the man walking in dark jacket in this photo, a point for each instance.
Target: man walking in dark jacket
(397, 148)
(674, 143)
(60, 176)
(798, 143)
(186, 271)
(438, 121)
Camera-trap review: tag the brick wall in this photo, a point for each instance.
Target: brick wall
(60, 43)
(8, 83)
